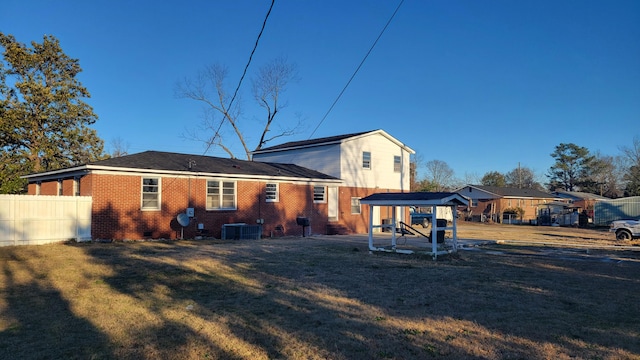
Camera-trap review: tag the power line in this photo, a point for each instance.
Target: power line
(244, 73)
(357, 69)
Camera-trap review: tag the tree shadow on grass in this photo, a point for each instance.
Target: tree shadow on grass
(39, 321)
(239, 306)
(331, 299)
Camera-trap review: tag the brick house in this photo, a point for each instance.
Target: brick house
(583, 201)
(366, 162)
(488, 203)
(140, 195)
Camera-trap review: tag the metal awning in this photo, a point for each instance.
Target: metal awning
(415, 199)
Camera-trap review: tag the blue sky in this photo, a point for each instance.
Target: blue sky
(481, 85)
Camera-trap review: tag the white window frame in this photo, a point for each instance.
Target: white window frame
(272, 192)
(366, 160)
(76, 186)
(38, 187)
(397, 163)
(356, 206)
(221, 195)
(474, 202)
(59, 188)
(323, 193)
(143, 192)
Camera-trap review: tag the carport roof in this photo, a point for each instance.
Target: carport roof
(415, 199)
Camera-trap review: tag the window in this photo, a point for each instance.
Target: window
(38, 186)
(150, 194)
(221, 195)
(355, 205)
(366, 160)
(319, 194)
(271, 192)
(474, 202)
(397, 164)
(76, 186)
(60, 187)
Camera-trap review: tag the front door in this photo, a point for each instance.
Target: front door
(332, 203)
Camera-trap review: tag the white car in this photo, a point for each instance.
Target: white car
(626, 229)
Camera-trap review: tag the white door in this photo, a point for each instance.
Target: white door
(332, 203)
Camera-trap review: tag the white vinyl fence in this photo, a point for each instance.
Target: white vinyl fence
(36, 220)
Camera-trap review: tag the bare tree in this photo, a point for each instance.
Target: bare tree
(119, 147)
(439, 174)
(522, 177)
(415, 162)
(632, 153)
(221, 113)
(630, 167)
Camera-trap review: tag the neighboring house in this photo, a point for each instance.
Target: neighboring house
(582, 200)
(490, 202)
(367, 162)
(140, 195)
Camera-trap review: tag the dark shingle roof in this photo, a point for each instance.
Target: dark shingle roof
(514, 192)
(414, 198)
(306, 143)
(577, 195)
(166, 161)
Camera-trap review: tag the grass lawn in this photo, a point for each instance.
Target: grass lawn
(314, 298)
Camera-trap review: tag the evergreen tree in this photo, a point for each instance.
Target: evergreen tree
(44, 124)
(571, 169)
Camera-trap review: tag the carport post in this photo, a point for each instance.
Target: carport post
(434, 231)
(393, 227)
(371, 227)
(454, 216)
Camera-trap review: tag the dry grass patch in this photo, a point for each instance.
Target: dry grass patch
(311, 298)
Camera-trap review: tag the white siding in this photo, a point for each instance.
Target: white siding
(35, 220)
(325, 159)
(344, 161)
(476, 194)
(381, 174)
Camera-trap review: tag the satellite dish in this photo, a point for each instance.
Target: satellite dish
(183, 219)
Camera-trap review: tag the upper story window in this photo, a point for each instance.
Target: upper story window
(319, 194)
(397, 164)
(271, 192)
(221, 195)
(150, 193)
(366, 160)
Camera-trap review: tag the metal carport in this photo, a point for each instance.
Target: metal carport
(422, 199)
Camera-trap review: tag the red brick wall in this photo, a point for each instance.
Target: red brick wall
(49, 187)
(117, 213)
(117, 202)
